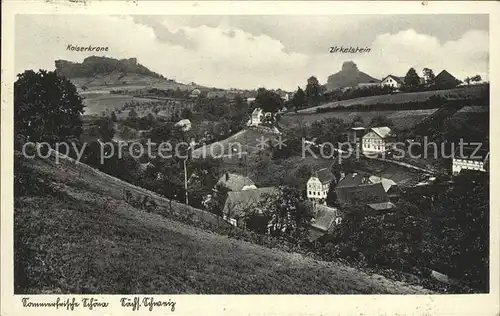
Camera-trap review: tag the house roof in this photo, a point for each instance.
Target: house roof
(239, 203)
(257, 110)
(383, 131)
(397, 79)
(163, 113)
(386, 183)
(324, 176)
(383, 206)
(471, 153)
(325, 216)
(364, 193)
(314, 234)
(234, 182)
(358, 128)
(444, 77)
(351, 179)
(183, 122)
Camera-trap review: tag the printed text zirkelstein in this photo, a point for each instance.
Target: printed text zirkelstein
(349, 50)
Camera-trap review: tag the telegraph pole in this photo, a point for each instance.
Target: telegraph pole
(185, 182)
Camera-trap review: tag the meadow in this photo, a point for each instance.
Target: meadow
(74, 233)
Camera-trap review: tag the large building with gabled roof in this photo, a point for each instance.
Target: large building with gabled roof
(377, 139)
(318, 185)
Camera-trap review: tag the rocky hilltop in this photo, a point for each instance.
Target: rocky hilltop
(348, 76)
(102, 66)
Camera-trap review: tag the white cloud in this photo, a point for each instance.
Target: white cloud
(223, 55)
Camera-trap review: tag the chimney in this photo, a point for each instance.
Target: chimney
(227, 176)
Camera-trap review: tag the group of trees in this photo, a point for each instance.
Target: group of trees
(47, 107)
(432, 231)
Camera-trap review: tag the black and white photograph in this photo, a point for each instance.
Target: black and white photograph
(162, 154)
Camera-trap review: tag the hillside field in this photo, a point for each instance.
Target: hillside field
(239, 144)
(82, 237)
(465, 92)
(401, 119)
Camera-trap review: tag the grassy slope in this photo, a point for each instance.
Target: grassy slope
(244, 141)
(86, 239)
(401, 119)
(457, 93)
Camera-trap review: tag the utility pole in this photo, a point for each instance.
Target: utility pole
(185, 182)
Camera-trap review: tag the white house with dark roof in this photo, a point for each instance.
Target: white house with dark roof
(392, 81)
(470, 159)
(318, 185)
(377, 139)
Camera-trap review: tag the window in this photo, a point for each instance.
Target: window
(309, 192)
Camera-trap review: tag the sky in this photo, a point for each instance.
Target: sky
(253, 51)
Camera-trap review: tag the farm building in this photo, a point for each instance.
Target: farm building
(470, 159)
(324, 220)
(392, 81)
(235, 182)
(318, 185)
(243, 203)
(195, 93)
(377, 139)
(256, 117)
(446, 80)
(184, 125)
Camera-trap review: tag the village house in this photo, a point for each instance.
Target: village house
(184, 125)
(195, 94)
(356, 188)
(469, 159)
(234, 182)
(446, 80)
(241, 205)
(392, 81)
(318, 185)
(377, 140)
(324, 220)
(368, 85)
(256, 117)
(361, 194)
(386, 183)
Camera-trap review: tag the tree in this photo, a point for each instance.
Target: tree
(47, 107)
(380, 121)
(132, 114)
(467, 80)
(456, 239)
(113, 116)
(268, 101)
(476, 78)
(313, 90)
(412, 80)
(357, 121)
(299, 99)
(288, 213)
(106, 129)
(429, 76)
(186, 113)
